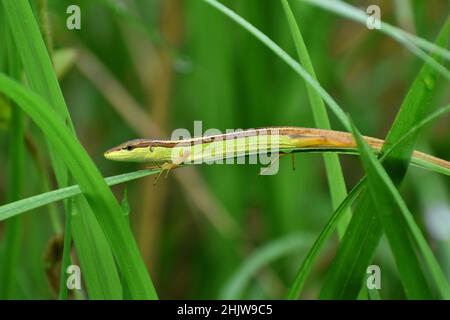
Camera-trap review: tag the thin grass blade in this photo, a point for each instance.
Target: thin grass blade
(389, 203)
(335, 176)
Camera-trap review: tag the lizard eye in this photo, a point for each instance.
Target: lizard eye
(129, 148)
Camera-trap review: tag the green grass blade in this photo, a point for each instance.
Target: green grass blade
(27, 204)
(31, 48)
(329, 228)
(98, 195)
(12, 231)
(335, 176)
(409, 268)
(358, 246)
(261, 257)
(38, 68)
(105, 281)
(389, 203)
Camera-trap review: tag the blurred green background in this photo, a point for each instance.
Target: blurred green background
(178, 61)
